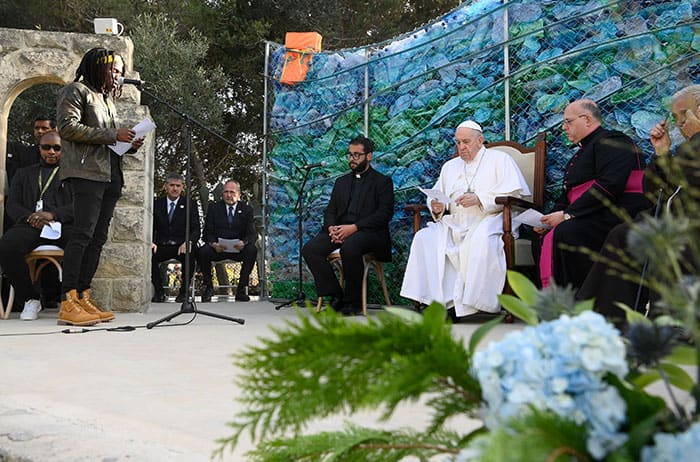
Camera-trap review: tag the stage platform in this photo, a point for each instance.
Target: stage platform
(163, 394)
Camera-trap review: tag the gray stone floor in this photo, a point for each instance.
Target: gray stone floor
(163, 394)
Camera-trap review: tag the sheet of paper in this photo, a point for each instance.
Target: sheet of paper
(52, 230)
(230, 244)
(436, 194)
(529, 217)
(142, 129)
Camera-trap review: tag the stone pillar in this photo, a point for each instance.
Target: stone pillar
(27, 58)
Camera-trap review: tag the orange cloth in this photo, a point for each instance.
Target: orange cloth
(300, 48)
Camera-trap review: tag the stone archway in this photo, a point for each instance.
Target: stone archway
(27, 58)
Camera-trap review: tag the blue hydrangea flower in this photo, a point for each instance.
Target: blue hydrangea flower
(669, 447)
(558, 366)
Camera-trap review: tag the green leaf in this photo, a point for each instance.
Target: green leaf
(518, 308)
(522, 287)
(683, 355)
(633, 316)
(640, 404)
(645, 379)
(481, 332)
(356, 443)
(585, 305)
(297, 375)
(535, 436)
(677, 376)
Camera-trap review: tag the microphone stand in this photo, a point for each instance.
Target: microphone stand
(645, 267)
(301, 296)
(188, 306)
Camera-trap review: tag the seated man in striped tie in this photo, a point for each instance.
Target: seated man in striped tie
(229, 234)
(37, 197)
(169, 219)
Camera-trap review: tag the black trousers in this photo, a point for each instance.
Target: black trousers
(606, 285)
(315, 253)
(247, 256)
(93, 207)
(14, 245)
(168, 252)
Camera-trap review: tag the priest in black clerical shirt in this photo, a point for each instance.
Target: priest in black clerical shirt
(607, 169)
(356, 221)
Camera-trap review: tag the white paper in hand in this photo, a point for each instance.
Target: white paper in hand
(51, 230)
(142, 129)
(230, 245)
(436, 194)
(529, 217)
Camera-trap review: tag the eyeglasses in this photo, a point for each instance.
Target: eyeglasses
(356, 155)
(570, 121)
(48, 147)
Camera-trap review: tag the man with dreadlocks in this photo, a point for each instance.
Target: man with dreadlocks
(87, 122)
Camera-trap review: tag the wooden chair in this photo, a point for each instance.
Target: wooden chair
(37, 260)
(531, 161)
(370, 262)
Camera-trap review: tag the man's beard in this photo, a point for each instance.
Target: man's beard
(361, 167)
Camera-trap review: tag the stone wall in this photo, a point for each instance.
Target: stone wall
(27, 58)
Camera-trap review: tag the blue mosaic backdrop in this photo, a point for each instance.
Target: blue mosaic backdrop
(630, 56)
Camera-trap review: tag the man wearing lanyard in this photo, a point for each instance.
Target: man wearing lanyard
(36, 199)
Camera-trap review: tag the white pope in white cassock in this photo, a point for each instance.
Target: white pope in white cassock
(459, 260)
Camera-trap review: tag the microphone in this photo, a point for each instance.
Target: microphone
(314, 165)
(137, 82)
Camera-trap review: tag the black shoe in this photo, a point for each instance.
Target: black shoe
(337, 303)
(242, 297)
(158, 297)
(207, 292)
(419, 307)
(350, 310)
(180, 298)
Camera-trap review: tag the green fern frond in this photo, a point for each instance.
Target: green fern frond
(356, 444)
(323, 364)
(537, 436)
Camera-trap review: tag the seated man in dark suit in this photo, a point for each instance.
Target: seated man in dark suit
(356, 221)
(229, 219)
(37, 197)
(169, 219)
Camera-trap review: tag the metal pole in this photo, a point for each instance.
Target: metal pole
(366, 92)
(263, 201)
(506, 71)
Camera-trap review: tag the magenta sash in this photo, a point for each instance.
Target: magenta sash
(634, 185)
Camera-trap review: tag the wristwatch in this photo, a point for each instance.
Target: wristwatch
(567, 216)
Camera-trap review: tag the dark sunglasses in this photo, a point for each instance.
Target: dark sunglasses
(47, 147)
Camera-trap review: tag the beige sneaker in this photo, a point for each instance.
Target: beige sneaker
(91, 308)
(72, 314)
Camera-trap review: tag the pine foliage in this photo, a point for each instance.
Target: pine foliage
(356, 444)
(322, 364)
(539, 436)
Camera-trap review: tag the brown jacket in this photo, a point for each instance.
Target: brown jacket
(87, 122)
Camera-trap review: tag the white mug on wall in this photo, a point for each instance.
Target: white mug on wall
(108, 26)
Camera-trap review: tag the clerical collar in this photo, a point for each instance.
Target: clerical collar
(361, 174)
(587, 139)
